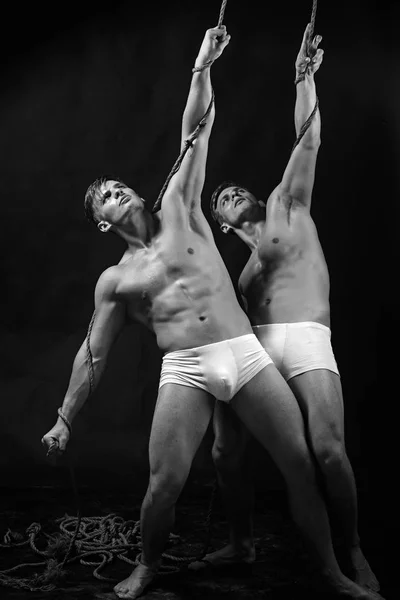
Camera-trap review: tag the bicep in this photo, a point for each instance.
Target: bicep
(189, 179)
(298, 178)
(108, 321)
(183, 194)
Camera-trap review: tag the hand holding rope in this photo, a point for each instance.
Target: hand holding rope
(310, 50)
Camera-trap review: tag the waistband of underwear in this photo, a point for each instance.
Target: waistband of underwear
(246, 336)
(297, 324)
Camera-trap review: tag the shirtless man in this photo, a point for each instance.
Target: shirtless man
(285, 288)
(173, 280)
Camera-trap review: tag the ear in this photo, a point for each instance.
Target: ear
(104, 226)
(261, 203)
(225, 228)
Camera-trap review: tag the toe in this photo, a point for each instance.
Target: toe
(120, 591)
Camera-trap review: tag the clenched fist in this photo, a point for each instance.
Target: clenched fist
(214, 43)
(56, 439)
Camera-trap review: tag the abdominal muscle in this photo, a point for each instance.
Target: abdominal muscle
(189, 305)
(290, 295)
(182, 320)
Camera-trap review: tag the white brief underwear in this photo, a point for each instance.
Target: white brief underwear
(221, 368)
(297, 348)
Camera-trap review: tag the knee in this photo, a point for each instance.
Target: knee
(227, 458)
(330, 453)
(298, 464)
(166, 486)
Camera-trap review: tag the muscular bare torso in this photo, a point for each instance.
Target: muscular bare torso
(179, 288)
(286, 279)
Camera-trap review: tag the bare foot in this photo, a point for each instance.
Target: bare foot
(362, 572)
(342, 587)
(225, 557)
(135, 584)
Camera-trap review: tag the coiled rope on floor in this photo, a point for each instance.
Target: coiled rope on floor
(95, 541)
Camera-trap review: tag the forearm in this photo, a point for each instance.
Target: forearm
(306, 98)
(79, 384)
(198, 101)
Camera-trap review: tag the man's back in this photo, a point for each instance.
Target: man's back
(286, 278)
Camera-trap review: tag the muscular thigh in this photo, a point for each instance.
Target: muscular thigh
(181, 418)
(268, 408)
(319, 394)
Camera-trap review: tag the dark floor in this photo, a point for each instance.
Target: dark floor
(282, 570)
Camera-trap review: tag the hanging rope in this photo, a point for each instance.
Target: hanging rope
(53, 568)
(189, 142)
(179, 160)
(307, 123)
(313, 15)
(222, 12)
(89, 356)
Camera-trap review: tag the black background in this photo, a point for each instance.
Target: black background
(90, 89)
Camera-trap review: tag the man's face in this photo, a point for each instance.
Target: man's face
(118, 203)
(235, 205)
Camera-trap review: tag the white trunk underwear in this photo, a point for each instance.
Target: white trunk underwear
(297, 348)
(221, 368)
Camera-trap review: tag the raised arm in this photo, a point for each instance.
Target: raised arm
(189, 180)
(108, 322)
(298, 179)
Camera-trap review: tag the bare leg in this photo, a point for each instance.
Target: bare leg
(181, 418)
(229, 454)
(271, 413)
(319, 394)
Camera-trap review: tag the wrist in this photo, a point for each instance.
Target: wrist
(303, 76)
(62, 418)
(201, 64)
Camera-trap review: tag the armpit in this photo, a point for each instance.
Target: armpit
(288, 202)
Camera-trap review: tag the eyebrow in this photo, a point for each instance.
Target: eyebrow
(224, 195)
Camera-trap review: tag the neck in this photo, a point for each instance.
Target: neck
(140, 235)
(250, 232)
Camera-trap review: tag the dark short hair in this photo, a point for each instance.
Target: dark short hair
(214, 198)
(93, 194)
